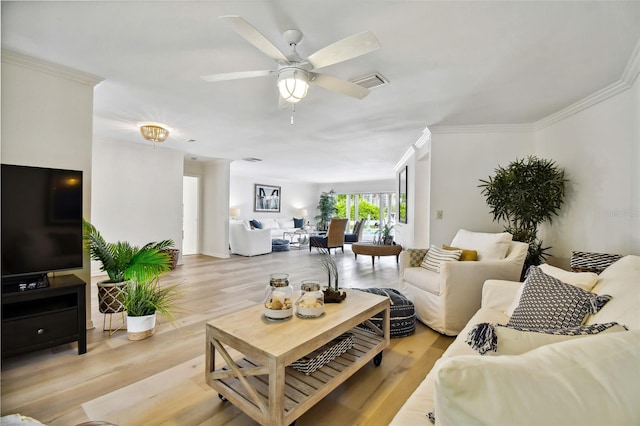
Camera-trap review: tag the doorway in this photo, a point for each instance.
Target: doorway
(190, 215)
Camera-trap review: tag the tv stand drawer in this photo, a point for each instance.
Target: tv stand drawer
(42, 330)
(46, 317)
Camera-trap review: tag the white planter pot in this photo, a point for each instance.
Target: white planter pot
(139, 328)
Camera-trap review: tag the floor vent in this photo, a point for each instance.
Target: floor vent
(371, 81)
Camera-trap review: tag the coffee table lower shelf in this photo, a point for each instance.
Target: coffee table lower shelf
(303, 390)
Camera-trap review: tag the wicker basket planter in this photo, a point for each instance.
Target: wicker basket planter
(174, 254)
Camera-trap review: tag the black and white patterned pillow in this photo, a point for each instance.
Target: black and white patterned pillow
(547, 302)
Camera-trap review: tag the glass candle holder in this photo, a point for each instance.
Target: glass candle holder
(311, 301)
(278, 303)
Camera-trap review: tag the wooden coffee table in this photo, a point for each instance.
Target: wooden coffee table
(374, 250)
(262, 384)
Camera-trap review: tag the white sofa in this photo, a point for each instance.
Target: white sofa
(447, 299)
(277, 226)
(248, 242)
(587, 380)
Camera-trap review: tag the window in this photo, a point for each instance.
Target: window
(377, 208)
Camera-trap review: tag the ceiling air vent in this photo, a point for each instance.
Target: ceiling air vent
(371, 81)
(252, 159)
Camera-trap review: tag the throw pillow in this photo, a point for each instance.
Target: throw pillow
(436, 255)
(584, 280)
(547, 302)
(298, 223)
(488, 245)
(416, 256)
(467, 255)
(497, 339)
(590, 381)
(255, 224)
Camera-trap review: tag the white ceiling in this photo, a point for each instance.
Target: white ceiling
(449, 63)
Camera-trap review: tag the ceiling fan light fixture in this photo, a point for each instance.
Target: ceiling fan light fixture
(154, 132)
(293, 84)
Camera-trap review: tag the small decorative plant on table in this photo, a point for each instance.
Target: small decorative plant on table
(332, 294)
(384, 236)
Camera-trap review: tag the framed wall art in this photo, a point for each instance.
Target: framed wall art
(267, 198)
(402, 195)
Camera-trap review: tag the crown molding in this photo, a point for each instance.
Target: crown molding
(50, 68)
(483, 128)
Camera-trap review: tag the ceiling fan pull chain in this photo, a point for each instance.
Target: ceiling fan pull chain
(293, 110)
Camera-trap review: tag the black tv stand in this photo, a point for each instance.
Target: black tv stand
(24, 283)
(44, 317)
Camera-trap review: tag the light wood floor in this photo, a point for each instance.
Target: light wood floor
(160, 380)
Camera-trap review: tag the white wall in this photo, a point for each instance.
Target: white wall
(215, 208)
(137, 193)
(47, 120)
(458, 162)
(294, 196)
(599, 150)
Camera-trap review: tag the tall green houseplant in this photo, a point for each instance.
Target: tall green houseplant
(525, 194)
(327, 208)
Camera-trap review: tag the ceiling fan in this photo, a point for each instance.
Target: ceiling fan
(294, 72)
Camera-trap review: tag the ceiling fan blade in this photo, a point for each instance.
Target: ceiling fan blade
(344, 49)
(235, 75)
(337, 85)
(254, 37)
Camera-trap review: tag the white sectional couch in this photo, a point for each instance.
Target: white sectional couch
(277, 225)
(583, 380)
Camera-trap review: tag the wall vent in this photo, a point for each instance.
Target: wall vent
(371, 81)
(252, 159)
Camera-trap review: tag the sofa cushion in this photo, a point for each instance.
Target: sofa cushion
(584, 280)
(255, 224)
(496, 339)
(466, 256)
(423, 279)
(622, 281)
(592, 381)
(269, 224)
(298, 223)
(488, 245)
(286, 223)
(547, 302)
(437, 255)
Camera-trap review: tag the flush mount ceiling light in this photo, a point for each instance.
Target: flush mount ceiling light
(154, 132)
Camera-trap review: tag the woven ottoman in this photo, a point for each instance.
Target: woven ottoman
(279, 245)
(403, 314)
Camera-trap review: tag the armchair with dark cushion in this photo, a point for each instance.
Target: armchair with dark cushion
(334, 237)
(356, 235)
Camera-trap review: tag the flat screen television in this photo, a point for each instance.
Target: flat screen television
(41, 223)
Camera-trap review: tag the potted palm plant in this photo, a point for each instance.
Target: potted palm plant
(134, 274)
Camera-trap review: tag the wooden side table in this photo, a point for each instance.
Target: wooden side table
(374, 250)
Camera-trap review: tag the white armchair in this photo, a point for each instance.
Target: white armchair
(249, 242)
(447, 300)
